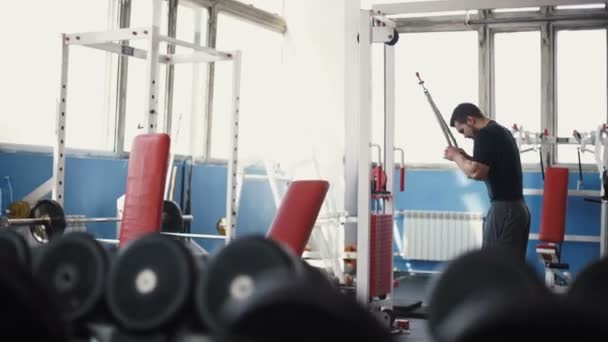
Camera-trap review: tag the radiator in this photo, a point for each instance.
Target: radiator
(440, 235)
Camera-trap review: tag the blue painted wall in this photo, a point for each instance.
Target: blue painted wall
(93, 184)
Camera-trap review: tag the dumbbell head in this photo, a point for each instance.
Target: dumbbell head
(150, 283)
(14, 247)
(286, 305)
(73, 270)
(479, 292)
(233, 274)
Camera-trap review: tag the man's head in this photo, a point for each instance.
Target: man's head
(464, 119)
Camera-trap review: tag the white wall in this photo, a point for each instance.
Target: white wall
(314, 89)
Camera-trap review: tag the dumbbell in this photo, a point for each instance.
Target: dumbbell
(150, 284)
(73, 270)
(486, 295)
(250, 286)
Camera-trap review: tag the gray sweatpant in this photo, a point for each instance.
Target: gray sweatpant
(507, 224)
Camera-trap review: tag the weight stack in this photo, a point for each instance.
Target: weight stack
(381, 255)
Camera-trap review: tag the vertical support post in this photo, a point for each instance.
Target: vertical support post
(389, 139)
(603, 226)
(151, 115)
(121, 89)
(548, 86)
(351, 109)
(196, 85)
(486, 69)
(59, 148)
(208, 116)
(232, 167)
(363, 162)
(170, 68)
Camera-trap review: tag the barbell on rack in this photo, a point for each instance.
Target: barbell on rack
(47, 219)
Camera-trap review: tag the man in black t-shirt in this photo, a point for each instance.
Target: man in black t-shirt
(495, 161)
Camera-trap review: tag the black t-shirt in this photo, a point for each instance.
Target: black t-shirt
(496, 147)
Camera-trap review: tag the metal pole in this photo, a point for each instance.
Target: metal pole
(232, 167)
(59, 147)
(208, 116)
(363, 163)
(151, 114)
(121, 89)
(170, 73)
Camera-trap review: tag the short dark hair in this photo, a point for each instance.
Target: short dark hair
(463, 110)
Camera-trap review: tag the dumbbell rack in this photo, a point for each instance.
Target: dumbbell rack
(113, 41)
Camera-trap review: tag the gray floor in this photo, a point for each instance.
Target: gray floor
(412, 289)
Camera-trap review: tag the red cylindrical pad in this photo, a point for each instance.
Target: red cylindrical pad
(142, 213)
(297, 214)
(555, 199)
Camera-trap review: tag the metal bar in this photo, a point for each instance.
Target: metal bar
(457, 5)
(363, 163)
(208, 115)
(249, 13)
(197, 47)
(170, 70)
(200, 236)
(68, 219)
(196, 87)
(232, 167)
(389, 137)
(128, 51)
(88, 38)
(59, 146)
(121, 88)
(151, 114)
(197, 57)
(548, 81)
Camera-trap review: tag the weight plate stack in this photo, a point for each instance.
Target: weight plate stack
(233, 274)
(73, 269)
(150, 283)
(13, 247)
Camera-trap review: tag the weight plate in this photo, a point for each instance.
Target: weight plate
(233, 272)
(478, 285)
(150, 282)
(172, 219)
(13, 246)
(47, 231)
(74, 270)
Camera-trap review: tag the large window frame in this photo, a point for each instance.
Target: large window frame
(548, 20)
(240, 10)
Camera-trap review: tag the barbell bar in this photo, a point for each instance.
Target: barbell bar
(47, 219)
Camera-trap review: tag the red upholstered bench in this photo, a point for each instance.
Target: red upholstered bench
(144, 195)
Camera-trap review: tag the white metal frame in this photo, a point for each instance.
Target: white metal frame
(358, 160)
(597, 138)
(108, 41)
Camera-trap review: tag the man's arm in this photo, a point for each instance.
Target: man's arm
(471, 168)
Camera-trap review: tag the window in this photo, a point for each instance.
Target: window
(272, 6)
(516, 9)
(448, 63)
(517, 83)
(31, 71)
(260, 86)
(189, 83)
(581, 87)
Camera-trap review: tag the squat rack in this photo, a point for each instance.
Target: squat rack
(111, 41)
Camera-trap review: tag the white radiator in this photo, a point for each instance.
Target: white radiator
(440, 235)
